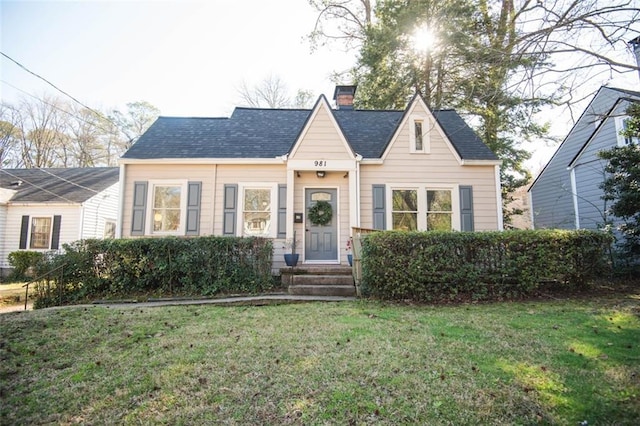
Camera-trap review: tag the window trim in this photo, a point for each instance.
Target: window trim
(183, 184)
(273, 208)
(620, 126)
(30, 233)
(426, 145)
(421, 189)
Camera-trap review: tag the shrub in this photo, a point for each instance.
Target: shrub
(25, 263)
(437, 266)
(199, 266)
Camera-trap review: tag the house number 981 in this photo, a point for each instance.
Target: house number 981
(320, 163)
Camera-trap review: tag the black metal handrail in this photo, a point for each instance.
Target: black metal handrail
(38, 278)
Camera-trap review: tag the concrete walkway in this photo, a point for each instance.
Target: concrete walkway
(260, 300)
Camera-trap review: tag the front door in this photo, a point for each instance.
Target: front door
(321, 239)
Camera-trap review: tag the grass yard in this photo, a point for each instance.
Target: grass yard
(560, 362)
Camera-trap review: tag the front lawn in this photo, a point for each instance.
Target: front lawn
(560, 362)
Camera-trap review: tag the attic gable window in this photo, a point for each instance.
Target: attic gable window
(418, 132)
(418, 135)
(621, 125)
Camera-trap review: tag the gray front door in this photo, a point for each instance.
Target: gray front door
(321, 241)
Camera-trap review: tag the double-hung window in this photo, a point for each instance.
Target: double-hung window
(40, 232)
(425, 208)
(257, 218)
(256, 211)
(439, 210)
(168, 206)
(167, 202)
(404, 214)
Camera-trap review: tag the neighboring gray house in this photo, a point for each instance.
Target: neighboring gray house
(41, 209)
(566, 194)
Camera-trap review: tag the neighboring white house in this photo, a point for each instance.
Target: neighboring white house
(41, 209)
(566, 194)
(262, 172)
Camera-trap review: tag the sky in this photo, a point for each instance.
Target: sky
(186, 57)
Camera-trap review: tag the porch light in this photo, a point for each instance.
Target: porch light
(320, 173)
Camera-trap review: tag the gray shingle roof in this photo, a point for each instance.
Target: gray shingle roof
(464, 140)
(268, 133)
(71, 185)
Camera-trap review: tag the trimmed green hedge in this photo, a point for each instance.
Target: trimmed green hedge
(438, 266)
(201, 266)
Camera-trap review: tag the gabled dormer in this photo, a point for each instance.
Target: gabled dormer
(322, 138)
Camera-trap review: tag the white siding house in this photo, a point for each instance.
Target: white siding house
(42, 209)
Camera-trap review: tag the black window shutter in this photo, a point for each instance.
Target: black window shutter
(139, 208)
(379, 211)
(193, 208)
(466, 208)
(55, 234)
(282, 211)
(24, 232)
(230, 208)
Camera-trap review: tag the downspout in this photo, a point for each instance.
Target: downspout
(531, 215)
(122, 178)
(574, 195)
(358, 201)
(213, 212)
(499, 198)
(81, 229)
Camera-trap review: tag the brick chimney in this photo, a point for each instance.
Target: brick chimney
(635, 44)
(343, 95)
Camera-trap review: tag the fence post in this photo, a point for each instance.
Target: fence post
(26, 295)
(60, 288)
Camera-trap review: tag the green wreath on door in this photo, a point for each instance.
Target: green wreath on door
(321, 213)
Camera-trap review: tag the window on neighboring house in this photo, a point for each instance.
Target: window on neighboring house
(404, 214)
(256, 211)
(621, 125)
(40, 233)
(109, 229)
(167, 208)
(439, 210)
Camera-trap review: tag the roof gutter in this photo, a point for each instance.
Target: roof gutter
(276, 160)
(481, 162)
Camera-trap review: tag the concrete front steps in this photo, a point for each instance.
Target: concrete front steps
(319, 280)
